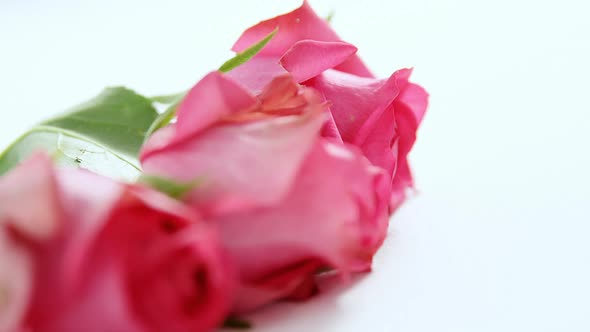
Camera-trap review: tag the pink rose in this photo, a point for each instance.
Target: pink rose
(380, 116)
(287, 202)
(89, 254)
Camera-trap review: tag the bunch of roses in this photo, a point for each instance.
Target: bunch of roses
(301, 158)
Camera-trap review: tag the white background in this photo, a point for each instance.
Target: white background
(497, 238)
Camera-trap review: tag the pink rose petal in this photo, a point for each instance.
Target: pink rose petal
(233, 160)
(379, 116)
(35, 174)
(331, 215)
(109, 237)
(257, 72)
(16, 281)
(214, 96)
(309, 58)
(301, 24)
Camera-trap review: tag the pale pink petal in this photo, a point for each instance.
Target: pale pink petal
(213, 97)
(283, 95)
(110, 236)
(309, 58)
(39, 215)
(86, 201)
(257, 72)
(159, 140)
(331, 215)
(16, 281)
(243, 163)
(301, 24)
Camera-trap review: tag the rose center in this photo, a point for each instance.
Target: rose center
(198, 293)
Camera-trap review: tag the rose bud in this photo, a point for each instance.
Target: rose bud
(380, 116)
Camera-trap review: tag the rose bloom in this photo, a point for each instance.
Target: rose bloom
(380, 116)
(287, 201)
(80, 252)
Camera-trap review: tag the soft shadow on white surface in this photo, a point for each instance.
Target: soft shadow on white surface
(319, 313)
(497, 238)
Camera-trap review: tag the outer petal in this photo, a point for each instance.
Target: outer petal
(296, 282)
(102, 307)
(241, 164)
(380, 116)
(331, 215)
(30, 213)
(58, 258)
(39, 215)
(215, 96)
(309, 58)
(257, 72)
(410, 108)
(283, 96)
(300, 24)
(16, 282)
(212, 98)
(355, 100)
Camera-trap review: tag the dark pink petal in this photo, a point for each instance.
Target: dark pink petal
(295, 282)
(380, 116)
(409, 108)
(190, 283)
(116, 247)
(309, 58)
(159, 140)
(101, 307)
(330, 130)
(301, 24)
(58, 258)
(355, 100)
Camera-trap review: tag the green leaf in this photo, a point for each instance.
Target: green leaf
(168, 186)
(247, 54)
(163, 119)
(169, 99)
(118, 119)
(103, 135)
(330, 17)
(237, 323)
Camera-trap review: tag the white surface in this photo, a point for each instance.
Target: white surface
(497, 239)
